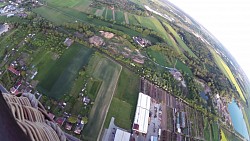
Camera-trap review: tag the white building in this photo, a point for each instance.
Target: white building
(121, 135)
(142, 113)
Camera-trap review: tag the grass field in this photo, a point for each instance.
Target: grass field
(179, 40)
(109, 14)
(126, 17)
(120, 110)
(50, 14)
(99, 12)
(154, 24)
(207, 132)
(223, 136)
(227, 72)
(159, 57)
(126, 95)
(132, 19)
(108, 72)
(215, 131)
(59, 75)
(2, 4)
(183, 67)
(119, 17)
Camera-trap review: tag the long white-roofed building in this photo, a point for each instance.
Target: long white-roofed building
(142, 114)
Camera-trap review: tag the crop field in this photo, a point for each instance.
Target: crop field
(119, 17)
(125, 97)
(108, 72)
(126, 17)
(223, 136)
(99, 12)
(50, 14)
(215, 131)
(132, 19)
(109, 14)
(228, 136)
(179, 40)
(59, 75)
(226, 70)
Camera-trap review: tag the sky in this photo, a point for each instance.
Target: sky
(227, 20)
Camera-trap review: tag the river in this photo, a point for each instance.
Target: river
(237, 119)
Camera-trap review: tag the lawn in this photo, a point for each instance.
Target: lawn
(57, 77)
(108, 72)
(179, 40)
(227, 72)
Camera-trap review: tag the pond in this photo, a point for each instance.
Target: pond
(237, 119)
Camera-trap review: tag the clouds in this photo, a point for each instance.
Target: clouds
(227, 20)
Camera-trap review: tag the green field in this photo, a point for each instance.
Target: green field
(2, 4)
(126, 96)
(154, 24)
(179, 40)
(227, 72)
(120, 110)
(119, 17)
(183, 67)
(99, 12)
(159, 57)
(109, 14)
(56, 77)
(108, 72)
(215, 131)
(53, 15)
(132, 19)
(223, 136)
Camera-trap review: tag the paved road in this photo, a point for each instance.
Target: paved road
(3, 89)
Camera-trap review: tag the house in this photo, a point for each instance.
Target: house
(13, 70)
(60, 121)
(68, 126)
(68, 42)
(85, 100)
(51, 116)
(79, 128)
(15, 88)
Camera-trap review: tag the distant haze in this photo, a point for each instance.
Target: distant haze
(227, 20)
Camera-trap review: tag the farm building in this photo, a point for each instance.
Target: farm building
(142, 114)
(121, 135)
(68, 42)
(4, 28)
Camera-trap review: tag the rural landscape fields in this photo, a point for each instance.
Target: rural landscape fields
(112, 47)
